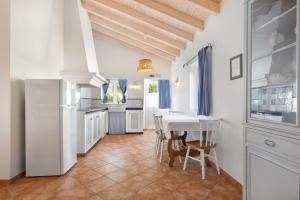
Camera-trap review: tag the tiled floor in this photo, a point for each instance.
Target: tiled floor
(125, 167)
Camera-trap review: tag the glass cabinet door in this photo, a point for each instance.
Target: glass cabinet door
(273, 60)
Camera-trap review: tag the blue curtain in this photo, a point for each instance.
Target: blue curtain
(123, 86)
(164, 94)
(105, 88)
(204, 90)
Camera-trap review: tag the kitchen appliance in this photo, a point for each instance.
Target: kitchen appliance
(51, 140)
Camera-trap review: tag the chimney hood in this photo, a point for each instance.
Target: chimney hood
(86, 79)
(80, 60)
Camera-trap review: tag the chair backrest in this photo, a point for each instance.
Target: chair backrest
(212, 129)
(158, 124)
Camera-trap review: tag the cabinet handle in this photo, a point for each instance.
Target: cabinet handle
(270, 143)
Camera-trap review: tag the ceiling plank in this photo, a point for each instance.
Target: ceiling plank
(95, 33)
(133, 42)
(187, 36)
(176, 14)
(212, 7)
(94, 8)
(97, 20)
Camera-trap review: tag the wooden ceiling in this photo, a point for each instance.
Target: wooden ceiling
(159, 27)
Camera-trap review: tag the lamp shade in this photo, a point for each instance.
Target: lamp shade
(145, 65)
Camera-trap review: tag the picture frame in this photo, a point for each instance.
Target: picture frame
(236, 67)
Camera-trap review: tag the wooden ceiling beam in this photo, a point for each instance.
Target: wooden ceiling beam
(98, 34)
(210, 6)
(93, 7)
(171, 12)
(167, 28)
(132, 42)
(97, 20)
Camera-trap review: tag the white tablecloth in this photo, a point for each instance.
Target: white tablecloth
(183, 123)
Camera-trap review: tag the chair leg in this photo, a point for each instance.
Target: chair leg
(161, 150)
(157, 145)
(216, 160)
(178, 148)
(202, 158)
(186, 157)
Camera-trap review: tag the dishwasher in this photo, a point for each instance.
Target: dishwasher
(117, 121)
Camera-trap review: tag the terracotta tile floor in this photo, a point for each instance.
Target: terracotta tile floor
(125, 167)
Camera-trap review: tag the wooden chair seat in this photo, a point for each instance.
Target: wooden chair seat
(195, 144)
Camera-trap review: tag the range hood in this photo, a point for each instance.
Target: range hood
(86, 79)
(80, 61)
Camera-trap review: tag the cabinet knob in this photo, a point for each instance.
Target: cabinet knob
(270, 143)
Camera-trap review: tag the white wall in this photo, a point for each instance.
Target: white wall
(36, 52)
(5, 89)
(37, 40)
(79, 47)
(119, 61)
(32, 46)
(225, 32)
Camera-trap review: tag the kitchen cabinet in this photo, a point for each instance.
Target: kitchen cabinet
(88, 131)
(90, 93)
(272, 166)
(102, 127)
(97, 125)
(106, 122)
(91, 128)
(271, 126)
(134, 121)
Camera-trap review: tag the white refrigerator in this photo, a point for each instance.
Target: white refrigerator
(51, 138)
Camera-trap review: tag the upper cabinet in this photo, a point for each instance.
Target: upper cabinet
(272, 56)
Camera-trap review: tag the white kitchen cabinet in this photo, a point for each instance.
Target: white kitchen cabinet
(90, 93)
(106, 122)
(134, 121)
(272, 166)
(102, 131)
(97, 126)
(270, 178)
(91, 128)
(88, 131)
(272, 126)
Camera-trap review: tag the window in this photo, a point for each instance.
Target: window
(114, 92)
(153, 88)
(194, 83)
(152, 95)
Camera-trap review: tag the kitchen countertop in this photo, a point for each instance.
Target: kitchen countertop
(134, 108)
(91, 110)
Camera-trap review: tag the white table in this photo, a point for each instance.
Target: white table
(182, 123)
(185, 123)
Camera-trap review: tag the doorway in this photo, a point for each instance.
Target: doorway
(151, 102)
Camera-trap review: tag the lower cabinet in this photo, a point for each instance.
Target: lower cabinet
(97, 126)
(88, 131)
(91, 128)
(134, 121)
(102, 128)
(106, 122)
(272, 169)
